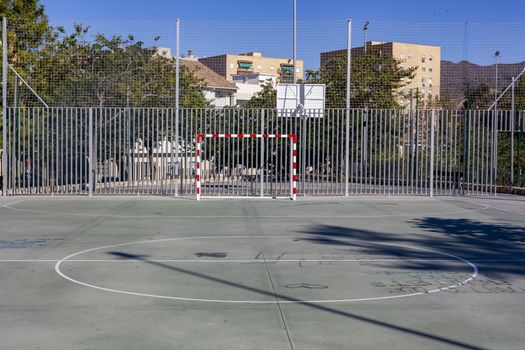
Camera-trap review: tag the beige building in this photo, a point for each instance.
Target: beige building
(425, 58)
(252, 63)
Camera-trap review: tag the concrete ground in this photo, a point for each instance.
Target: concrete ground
(358, 273)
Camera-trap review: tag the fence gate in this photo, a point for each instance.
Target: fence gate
(154, 151)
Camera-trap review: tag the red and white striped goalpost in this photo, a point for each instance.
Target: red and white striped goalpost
(292, 137)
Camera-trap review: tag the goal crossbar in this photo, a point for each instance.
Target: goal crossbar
(291, 137)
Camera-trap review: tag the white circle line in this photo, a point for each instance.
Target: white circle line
(279, 299)
(247, 216)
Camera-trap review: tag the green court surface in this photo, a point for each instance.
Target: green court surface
(336, 273)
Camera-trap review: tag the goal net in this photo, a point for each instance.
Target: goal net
(246, 165)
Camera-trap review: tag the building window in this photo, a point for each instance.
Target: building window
(245, 66)
(272, 68)
(423, 91)
(259, 67)
(423, 59)
(430, 70)
(287, 69)
(232, 65)
(430, 58)
(423, 69)
(423, 80)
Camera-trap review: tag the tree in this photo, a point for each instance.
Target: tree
(111, 72)
(377, 80)
(265, 98)
(27, 30)
(478, 97)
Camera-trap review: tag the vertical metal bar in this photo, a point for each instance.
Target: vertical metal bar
(512, 130)
(90, 150)
(432, 130)
(294, 41)
(4, 106)
(64, 151)
(262, 153)
(303, 151)
(348, 92)
(483, 153)
(467, 151)
(477, 139)
(389, 154)
(495, 149)
(177, 107)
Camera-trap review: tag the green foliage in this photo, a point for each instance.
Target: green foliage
(520, 95)
(110, 72)
(265, 98)
(478, 97)
(27, 30)
(376, 81)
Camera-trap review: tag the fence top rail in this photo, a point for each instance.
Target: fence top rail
(288, 112)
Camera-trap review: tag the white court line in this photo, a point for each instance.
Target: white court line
(473, 275)
(488, 206)
(11, 203)
(248, 216)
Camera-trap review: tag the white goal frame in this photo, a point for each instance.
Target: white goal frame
(293, 159)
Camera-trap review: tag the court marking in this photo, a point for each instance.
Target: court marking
(248, 216)
(464, 200)
(58, 270)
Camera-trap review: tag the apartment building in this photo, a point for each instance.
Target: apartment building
(229, 66)
(425, 58)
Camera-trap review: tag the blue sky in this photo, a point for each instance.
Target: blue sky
(268, 10)
(212, 27)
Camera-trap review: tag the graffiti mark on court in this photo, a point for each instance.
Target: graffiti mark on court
(422, 283)
(26, 243)
(305, 286)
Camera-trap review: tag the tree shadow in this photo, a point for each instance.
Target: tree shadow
(494, 248)
(316, 306)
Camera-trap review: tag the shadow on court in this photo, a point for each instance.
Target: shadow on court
(320, 307)
(495, 248)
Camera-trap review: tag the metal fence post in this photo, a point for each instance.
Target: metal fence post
(177, 106)
(262, 153)
(348, 91)
(4, 106)
(410, 169)
(495, 152)
(303, 151)
(90, 142)
(432, 130)
(512, 127)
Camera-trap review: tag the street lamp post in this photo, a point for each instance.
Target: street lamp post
(495, 129)
(365, 30)
(496, 56)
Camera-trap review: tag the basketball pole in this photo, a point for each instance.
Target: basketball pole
(294, 41)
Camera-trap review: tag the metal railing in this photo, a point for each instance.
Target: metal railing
(151, 151)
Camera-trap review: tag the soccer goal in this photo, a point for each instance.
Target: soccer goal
(246, 165)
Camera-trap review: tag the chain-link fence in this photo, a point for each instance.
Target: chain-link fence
(226, 65)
